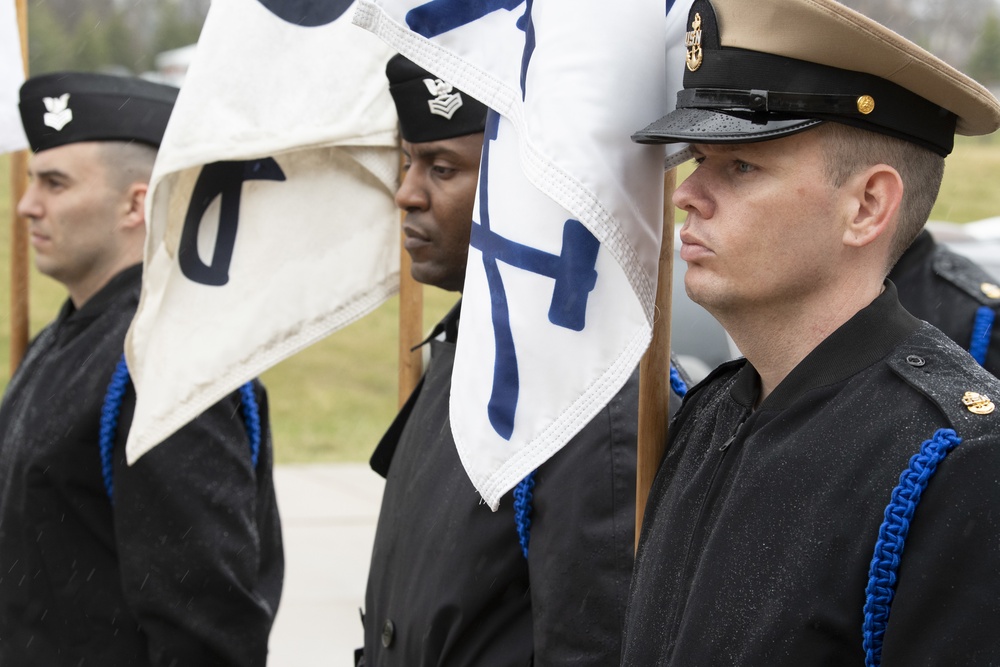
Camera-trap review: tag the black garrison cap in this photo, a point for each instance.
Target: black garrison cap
(67, 107)
(430, 109)
(769, 68)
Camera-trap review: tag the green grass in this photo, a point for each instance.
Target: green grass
(971, 176)
(333, 401)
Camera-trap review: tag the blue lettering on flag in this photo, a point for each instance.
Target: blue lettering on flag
(574, 272)
(219, 179)
(307, 13)
(527, 25)
(506, 385)
(439, 16)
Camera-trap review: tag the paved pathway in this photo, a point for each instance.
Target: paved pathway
(328, 515)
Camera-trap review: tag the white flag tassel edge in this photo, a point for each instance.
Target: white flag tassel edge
(11, 77)
(553, 324)
(270, 219)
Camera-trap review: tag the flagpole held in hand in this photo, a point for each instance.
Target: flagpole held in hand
(18, 231)
(654, 369)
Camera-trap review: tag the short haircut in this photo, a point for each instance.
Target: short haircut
(127, 162)
(849, 150)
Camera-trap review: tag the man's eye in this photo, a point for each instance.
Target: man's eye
(441, 170)
(744, 167)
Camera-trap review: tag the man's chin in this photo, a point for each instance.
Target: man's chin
(712, 297)
(45, 267)
(428, 274)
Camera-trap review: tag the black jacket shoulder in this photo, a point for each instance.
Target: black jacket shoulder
(936, 367)
(972, 279)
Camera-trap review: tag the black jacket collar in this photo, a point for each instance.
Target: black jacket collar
(860, 342)
(123, 282)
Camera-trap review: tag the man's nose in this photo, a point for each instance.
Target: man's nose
(412, 195)
(691, 196)
(29, 206)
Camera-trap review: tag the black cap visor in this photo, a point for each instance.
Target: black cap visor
(704, 126)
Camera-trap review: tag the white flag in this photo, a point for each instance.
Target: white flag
(271, 214)
(11, 77)
(558, 301)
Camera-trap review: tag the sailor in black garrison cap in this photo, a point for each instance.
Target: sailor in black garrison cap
(65, 108)
(176, 560)
(452, 583)
(794, 478)
(430, 109)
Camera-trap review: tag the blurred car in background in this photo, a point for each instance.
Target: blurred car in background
(979, 241)
(700, 343)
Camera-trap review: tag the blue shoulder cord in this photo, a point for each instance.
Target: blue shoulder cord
(892, 533)
(113, 405)
(522, 510)
(523, 492)
(982, 331)
(677, 383)
(892, 538)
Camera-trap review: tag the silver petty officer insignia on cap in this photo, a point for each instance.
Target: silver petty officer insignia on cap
(58, 112)
(445, 102)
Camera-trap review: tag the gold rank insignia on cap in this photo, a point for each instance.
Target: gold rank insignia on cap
(763, 69)
(692, 40)
(978, 404)
(990, 290)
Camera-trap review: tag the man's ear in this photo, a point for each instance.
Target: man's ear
(135, 200)
(879, 194)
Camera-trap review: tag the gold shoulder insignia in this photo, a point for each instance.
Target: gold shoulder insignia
(978, 404)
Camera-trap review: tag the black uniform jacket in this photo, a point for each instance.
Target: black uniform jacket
(761, 523)
(184, 569)
(946, 289)
(449, 584)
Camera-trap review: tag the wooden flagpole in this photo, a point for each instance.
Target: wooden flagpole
(411, 321)
(654, 369)
(19, 231)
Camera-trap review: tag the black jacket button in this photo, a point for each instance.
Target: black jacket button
(388, 630)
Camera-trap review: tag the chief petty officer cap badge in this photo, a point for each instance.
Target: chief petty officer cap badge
(430, 109)
(68, 107)
(770, 68)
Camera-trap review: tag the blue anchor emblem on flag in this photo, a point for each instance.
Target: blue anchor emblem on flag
(574, 272)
